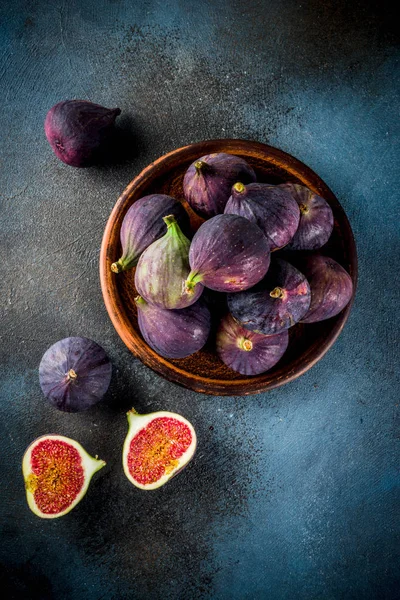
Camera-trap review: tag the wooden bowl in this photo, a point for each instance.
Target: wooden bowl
(203, 371)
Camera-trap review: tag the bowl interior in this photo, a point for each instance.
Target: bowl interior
(203, 371)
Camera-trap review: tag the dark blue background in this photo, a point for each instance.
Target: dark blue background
(292, 493)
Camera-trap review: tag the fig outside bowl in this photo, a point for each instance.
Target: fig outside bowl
(203, 371)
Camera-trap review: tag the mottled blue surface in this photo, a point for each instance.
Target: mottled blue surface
(293, 493)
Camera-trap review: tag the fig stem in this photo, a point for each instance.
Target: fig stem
(191, 281)
(239, 187)
(304, 209)
(139, 300)
(277, 293)
(119, 266)
(71, 375)
(199, 166)
(169, 220)
(246, 345)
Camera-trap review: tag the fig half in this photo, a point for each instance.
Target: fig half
(247, 352)
(331, 287)
(174, 333)
(208, 181)
(74, 374)
(316, 218)
(228, 253)
(163, 268)
(157, 447)
(76, 129)
(143, 224)
(274, 210)
(279, 301)
(57, 472)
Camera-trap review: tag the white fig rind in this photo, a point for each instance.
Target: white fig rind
(138, 422)
(89, 464)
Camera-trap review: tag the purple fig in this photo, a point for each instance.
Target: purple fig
(331, 287)
(247, 352)
(208, 181)
(76, 129)
(174, 333)
(163, 268)
(274, 210)
(228, 253)
(143, 224)
(279, 301)
(316, 218)
(74, 374)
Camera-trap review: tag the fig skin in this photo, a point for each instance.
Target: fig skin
(331, 287)
(279, 301)
(316, 218)
(143, 224)
(50, 465)
(274, 210)
(228, 253)
(74, 374)
(247, 352)
(174, 333)
(163, 444)
(76, 130)
(208, 181)
(163, 268)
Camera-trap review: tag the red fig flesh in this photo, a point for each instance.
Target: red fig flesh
(331, 287)
(273, 209)
(174, 333)
(228, 253)
(57, 472)
(279, 301)
(76, 129)
(247, 352)
(316, 218)
(157, 447)
(208, 181)
(143, 224)
(74, 374)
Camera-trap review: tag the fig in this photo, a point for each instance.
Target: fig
(143, 224)
(274, 210)
(228, 253)
(316, 218)
(57, 472)
(331, 287)
(74, 374)
(208, 181)
(174, 333)
(76, 130)
(279, 301)
(157, 447)
(247, 352)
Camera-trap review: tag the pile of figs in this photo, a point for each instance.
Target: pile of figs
(179, 275)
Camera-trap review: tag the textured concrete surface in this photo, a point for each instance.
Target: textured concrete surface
(293, 493)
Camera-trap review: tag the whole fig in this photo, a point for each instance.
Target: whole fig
(274, 210)
(279, 301)
(163, 268)
(76, 129)
(174, 333)
(143, 224)
(228, 253)
(316, 218)
(208, 181)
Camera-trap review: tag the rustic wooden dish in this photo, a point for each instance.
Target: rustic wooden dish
(203, 371)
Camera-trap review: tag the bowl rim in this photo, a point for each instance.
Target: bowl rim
(115, 308)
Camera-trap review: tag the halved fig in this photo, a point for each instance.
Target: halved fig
(157, 447)
(247, 352)
(279, 301)
(57, 471)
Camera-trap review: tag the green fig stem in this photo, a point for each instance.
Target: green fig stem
(246, 345)
(169, 220)
(239, 187)
(71, 375)
(132, 414)
(192, 280)
(277, 293)
(304, 209)
(122, 265)
(140, 301)
(200, 166)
